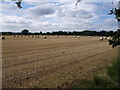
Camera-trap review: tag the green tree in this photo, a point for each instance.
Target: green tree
(116, 38)
(25, 32)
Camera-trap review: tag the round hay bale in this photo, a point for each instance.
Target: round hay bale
(2, 38)
(74, 36)
(44, 37)
(101, 38)
(104, 37)
(108, 38)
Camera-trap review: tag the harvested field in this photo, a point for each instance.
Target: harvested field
(52, 62)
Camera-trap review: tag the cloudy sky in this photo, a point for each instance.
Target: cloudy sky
(57, 15)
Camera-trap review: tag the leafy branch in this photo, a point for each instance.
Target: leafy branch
(116, 38)
(115, 12)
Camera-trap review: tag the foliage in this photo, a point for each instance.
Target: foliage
(97, 82)
(6, 33)
(83, 33)
(115, 40)
(110, 80)
(114, 71)
(115, 12)
(101, 81)
(25, 32)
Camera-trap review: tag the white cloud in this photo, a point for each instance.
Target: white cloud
(41, 11)
(60, 16)
(75, 14)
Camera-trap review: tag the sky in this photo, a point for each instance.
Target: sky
(57, 15)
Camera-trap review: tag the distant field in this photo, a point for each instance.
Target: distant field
(52, 62)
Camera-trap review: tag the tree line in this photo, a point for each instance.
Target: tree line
(82, 33)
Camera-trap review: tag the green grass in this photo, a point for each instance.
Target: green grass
(113, 71)
(110, 80)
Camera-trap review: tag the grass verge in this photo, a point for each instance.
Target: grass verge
(109, 80)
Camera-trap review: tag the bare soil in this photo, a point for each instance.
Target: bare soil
(30, 62)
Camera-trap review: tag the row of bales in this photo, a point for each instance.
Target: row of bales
(100, 38)
(3, 37)
(45, 37)
(105, 38)
(83, 36)
(32, 36)
(37, 36)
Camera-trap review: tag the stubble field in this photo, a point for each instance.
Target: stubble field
(30, 62)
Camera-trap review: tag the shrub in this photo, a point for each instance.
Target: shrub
(114, 71)
(101, 81)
